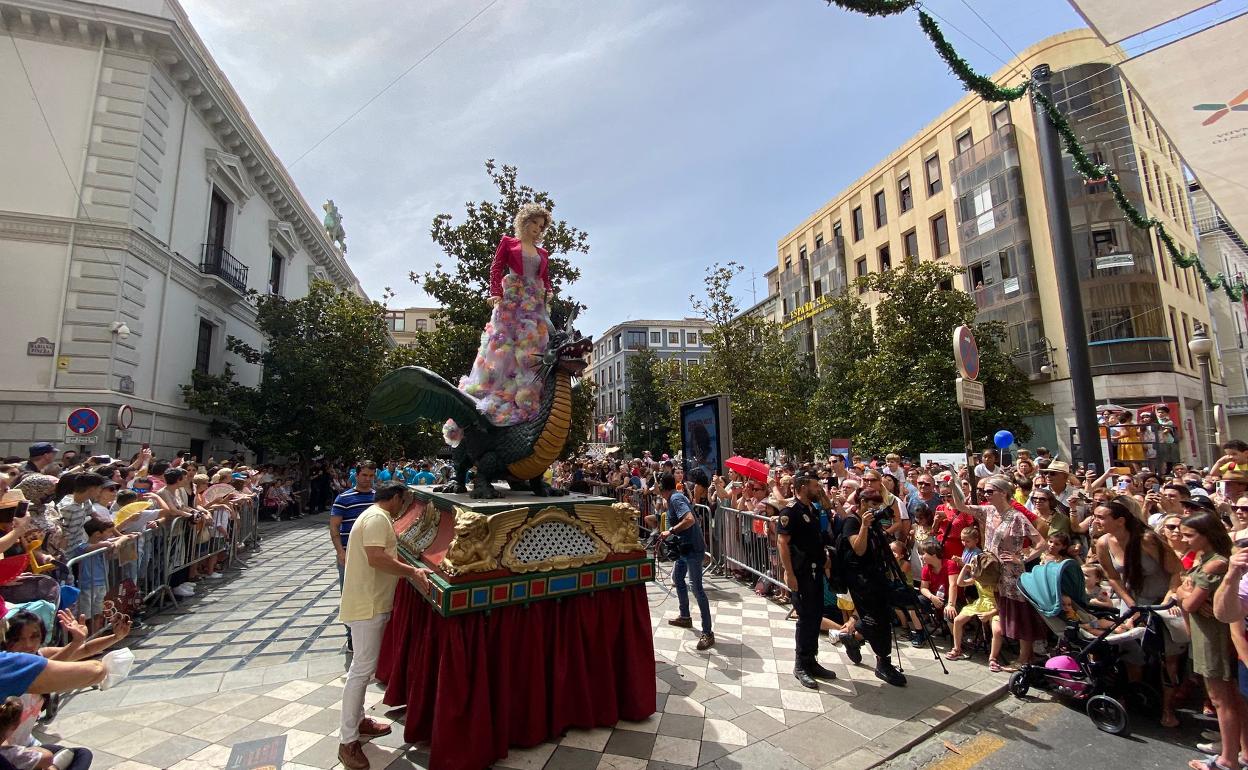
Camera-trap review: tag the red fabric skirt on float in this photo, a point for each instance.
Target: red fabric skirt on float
(476, 685)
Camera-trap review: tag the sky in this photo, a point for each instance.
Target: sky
(677, 134)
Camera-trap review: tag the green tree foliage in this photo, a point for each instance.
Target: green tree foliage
(888, 384)
(751, 361)
(461, 286)
(648, 416)
(321, 357)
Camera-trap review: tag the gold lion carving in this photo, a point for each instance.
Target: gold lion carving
(479, 539)
(616, 524)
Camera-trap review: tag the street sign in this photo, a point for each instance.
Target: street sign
(82, 421)
(971, 394)
(40, 346)
(79, 439)
(125, 417)
(966, 353)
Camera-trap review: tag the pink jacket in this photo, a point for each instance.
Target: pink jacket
(510, 255)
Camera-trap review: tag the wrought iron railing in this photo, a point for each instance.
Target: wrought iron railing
(221, 263)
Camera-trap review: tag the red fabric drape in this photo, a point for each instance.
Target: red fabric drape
(477, 684)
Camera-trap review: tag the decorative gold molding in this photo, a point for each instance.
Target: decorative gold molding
(616, 524)
(421, 533)
(560, 561)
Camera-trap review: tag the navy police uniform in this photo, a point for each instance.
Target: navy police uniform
(807, 554)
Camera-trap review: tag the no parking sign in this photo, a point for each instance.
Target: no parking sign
(83, 420)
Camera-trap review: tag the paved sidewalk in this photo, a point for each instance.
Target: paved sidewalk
(258, 655)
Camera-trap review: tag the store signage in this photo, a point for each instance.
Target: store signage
(808, 310)
(1010, 286)
(40, 346)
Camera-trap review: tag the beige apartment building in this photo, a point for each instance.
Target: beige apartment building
(406, 322)
(967, 190)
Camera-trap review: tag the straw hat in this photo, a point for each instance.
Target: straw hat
(12, 498)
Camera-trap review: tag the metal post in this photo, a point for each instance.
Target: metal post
(1053, 173)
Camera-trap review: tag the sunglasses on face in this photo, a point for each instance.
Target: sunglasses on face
(926, 484)
(1240, 508)
(1172, 527)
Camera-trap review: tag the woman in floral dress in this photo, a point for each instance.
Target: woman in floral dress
(504, 378)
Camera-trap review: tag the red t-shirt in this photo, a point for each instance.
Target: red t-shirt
(937, 579)
(950, 532)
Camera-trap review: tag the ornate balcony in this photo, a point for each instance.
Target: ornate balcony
(221, 263)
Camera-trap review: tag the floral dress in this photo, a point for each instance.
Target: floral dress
(504, 378)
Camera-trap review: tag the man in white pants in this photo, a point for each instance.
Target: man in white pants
(370, 575)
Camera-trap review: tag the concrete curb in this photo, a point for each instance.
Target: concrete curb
(936, 719)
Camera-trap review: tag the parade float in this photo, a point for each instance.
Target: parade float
(535, 618)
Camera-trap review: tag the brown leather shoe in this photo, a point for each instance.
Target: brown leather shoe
(706, 642)
(351, 755)
(371, 728)
(680, 622)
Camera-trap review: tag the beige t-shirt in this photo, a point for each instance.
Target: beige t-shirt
(367, 592)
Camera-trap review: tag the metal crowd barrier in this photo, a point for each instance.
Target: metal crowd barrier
(152, 560)
(748, 543)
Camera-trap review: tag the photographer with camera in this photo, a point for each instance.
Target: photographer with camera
(862, 552)
(690, 550)
(802, 554)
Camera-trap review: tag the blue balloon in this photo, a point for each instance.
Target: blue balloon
(1003, 439)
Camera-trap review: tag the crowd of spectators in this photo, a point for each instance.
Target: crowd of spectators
(1148, 531)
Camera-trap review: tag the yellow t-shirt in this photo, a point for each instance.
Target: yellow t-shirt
(367, 592)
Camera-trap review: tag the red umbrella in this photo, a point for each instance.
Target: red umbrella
(752, 469)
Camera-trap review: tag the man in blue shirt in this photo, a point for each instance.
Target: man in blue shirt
(346, 509)
(683, 525)
(425, 476)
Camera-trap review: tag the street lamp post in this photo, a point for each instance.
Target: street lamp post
(1201, 346)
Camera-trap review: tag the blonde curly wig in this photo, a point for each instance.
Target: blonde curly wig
(527, 212)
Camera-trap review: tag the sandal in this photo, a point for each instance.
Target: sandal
(957, 655)
(994, 666)
(1208, 763)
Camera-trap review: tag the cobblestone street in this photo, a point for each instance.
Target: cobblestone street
(258, 655)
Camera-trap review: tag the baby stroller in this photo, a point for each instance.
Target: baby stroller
(1085, 665)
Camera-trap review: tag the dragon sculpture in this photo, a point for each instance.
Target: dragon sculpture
(518, 453)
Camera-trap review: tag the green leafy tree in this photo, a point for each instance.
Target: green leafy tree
(646, 420)
(461, 285)
(752, 362)
(888, 384)
(321, 357)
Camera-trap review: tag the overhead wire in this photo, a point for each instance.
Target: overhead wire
(394, 82)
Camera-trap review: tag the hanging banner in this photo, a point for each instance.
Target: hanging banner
(1116, 20)
(1199, 95)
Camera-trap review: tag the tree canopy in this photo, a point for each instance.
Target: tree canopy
(647, 417)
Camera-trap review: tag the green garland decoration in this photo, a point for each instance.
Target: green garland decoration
(875, 7)
(989, 91)
(983, 86)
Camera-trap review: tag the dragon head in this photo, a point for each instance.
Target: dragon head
(567, 349)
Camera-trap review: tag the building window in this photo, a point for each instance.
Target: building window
(818, 241)
(635, 340)
(1161, 195)
(1135, 114)
(1001, 117)
(1174, 201)
(656, 338)
(396, 321)
(946, 285)
(203, 347)
(1148, 127)
(886, 259)
(1187, 339)
(1111, 323)
(619, 343)
(932, 167)
(1148, 175)
(881, 210)
(673, 338)
(275, 272)
(691, 362)
(836, 231)
(422, 325)
(858, 226)
(1174, 333)
(904, 195)
(860, 270)
(940, 235)
(964, 142)
(910, 245)
(691, 339)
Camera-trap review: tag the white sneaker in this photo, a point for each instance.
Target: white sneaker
(186, 590)
(1213, 747)
(215, 576)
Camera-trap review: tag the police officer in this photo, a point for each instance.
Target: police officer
(802, 554)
